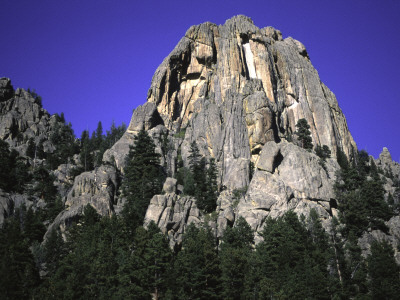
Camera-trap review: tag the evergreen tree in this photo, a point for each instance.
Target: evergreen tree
(235, 254)
(20, 175)
(355, 273)
(342, 159)
(304, 134)
(384, 272)
(289, 263)
(99, 135)
(33, 227)
(18, 274)
(143, 178)
(210, 200)
(86, 155)
(196, 268)
(30, 150)
(14, 173)
(201, 182)
(323, 152)
(6, 163)
(43, 186)
(154, 254)
(114, 134)
(63, 138)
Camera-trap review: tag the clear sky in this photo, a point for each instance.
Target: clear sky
(94, 60)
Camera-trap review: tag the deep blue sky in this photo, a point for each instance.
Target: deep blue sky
(94, 60)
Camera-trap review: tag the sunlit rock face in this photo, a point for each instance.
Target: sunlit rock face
(238, 91)
(235, 87)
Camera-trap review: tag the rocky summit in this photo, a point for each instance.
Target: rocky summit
(239, 93)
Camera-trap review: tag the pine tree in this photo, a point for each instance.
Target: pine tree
(143, 178)
(33, 227)
(86, 155)
(235, 254)
(30, 150)
(196, 267)
(383, 271)
(210, 200)
(154, 254)
(18, 274)
(289, 262)
(43, 186)
(304, 134)
(6, 165)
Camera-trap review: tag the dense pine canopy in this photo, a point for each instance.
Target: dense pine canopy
(117, 258)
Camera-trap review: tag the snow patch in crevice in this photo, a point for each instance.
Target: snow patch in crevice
(293, 105)
(249, 60)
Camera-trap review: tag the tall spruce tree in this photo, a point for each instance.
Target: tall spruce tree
(196, 267)
(384, 272)
(235, 254)
(143, 178)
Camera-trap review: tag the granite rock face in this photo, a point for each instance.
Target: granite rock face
(235, 87)
(392, 237)
(22, 117)
(390, 167)
(97, 188)
(288, 177)
(238, 91)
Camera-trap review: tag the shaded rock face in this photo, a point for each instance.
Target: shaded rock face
(386, 163)
(288, 177)
(173, 214)
(22, 117)
(97, 188)
(393, 238)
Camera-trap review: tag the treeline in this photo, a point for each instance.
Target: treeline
(65, 145)
(117, 258)
(102, 258)
(32, 174)
(93, 147)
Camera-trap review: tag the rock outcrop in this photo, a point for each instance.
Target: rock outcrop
(390, 167)
(172, 213)
(22, 117)
(97, 188)
(288, 177)
(235, 87)
(238, 91)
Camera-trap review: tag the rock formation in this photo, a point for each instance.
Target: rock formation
(22, 117)
(238, 91)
